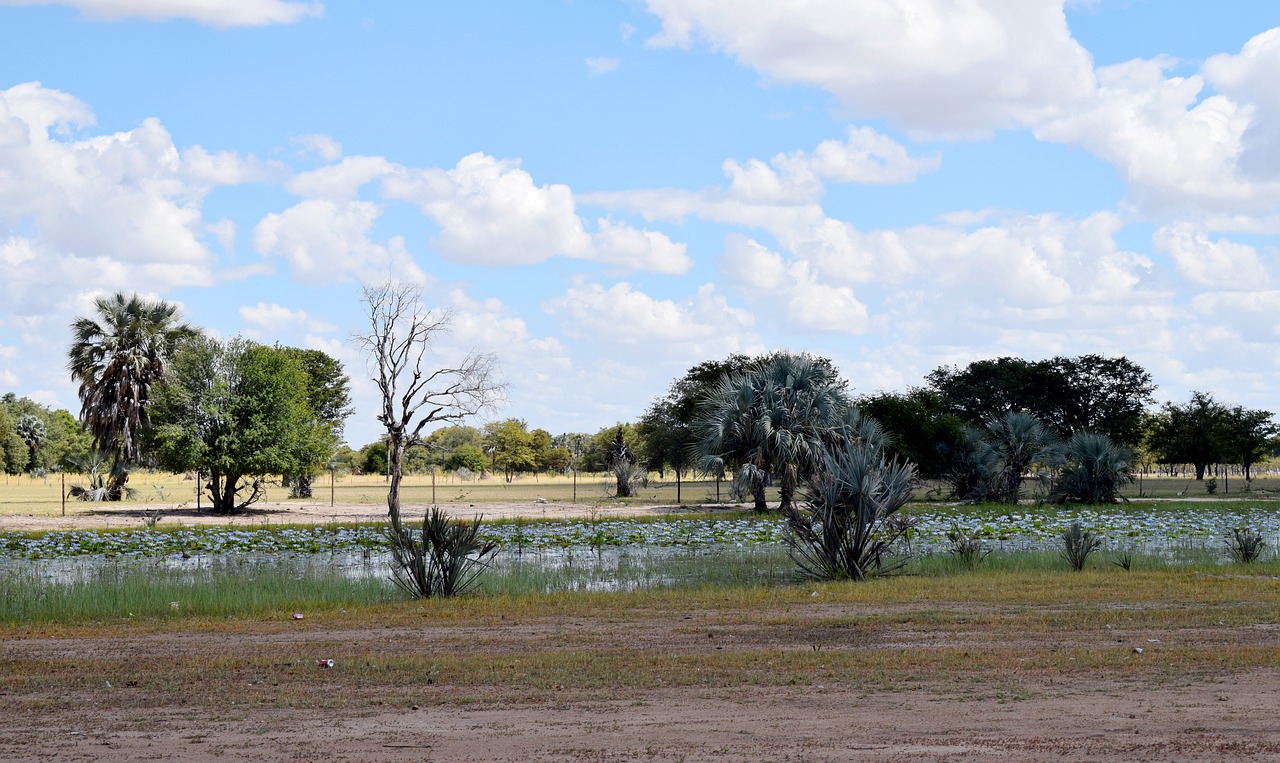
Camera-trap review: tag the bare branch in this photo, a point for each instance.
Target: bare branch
(399, 343)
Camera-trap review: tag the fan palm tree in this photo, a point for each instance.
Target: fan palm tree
(779, 418)
(1096, 469)
(118, 356)
(1018, 439)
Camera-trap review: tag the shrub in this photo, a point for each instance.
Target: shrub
(968, 549)
(1245, 546)
(1077, 544)
(444, 560)
(845, 529)
(1096, 469)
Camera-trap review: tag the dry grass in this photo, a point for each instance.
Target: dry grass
(940, 634)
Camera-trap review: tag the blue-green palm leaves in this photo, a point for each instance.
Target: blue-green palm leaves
(778, 418)
(1096, 469)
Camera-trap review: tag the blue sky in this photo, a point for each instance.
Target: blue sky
(606, 193)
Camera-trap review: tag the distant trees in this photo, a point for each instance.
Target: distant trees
(1203, 431)
(34, 437)
(236, 411)
(919, 428)
(1089, 393)
(510, 446)
(118, 357)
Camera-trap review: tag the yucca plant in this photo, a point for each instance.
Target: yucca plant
(1244, 546)
(845, 528)
(1096, 469)
(445, 559)
(968, 549)
(1077, 544)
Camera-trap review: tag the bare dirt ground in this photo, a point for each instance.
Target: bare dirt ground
(1113, 723)
(121, 516)
(870, 690)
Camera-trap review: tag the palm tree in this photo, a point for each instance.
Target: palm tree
(1096, 469)
(779, 418)
(118, 357)
(1017, 439)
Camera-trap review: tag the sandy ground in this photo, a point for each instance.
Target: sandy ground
(1112, 723)
(120, 516)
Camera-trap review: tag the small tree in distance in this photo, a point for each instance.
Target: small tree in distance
(399, 343)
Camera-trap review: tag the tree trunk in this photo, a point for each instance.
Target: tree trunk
(395, 448)
(1200, 467)
(757, 493)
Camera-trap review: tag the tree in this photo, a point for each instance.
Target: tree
(236, 411)
(510, 446)
(31, 428)
(398, 343)
(466, 456)
(1247, 436)
(847, 528)
(118, 358)
(13, 449)
(1191, 433)
(328, 393)
(918, 427)
(989, 463)
(780, 417)
(1092, 392)
(1096, 469)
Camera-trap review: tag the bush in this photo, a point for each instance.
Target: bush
(1096, 469)
(845, 529)
(966, 548)
(445, 560)
(1077, 544)
(1245, 546)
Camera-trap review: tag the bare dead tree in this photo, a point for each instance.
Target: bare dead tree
(399, 346)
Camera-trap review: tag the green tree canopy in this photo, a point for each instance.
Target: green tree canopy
(1092, 392)
(510, 446)
(1190, 433)
(237, 411)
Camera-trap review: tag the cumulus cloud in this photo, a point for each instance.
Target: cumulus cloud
(932, 65)
(771, 282)
(120, 210)
(217, 13)
(866, 156)
(491, 212)
(1205, 262)
(1250, 77)
(1173, 147)
(273, 319)
(624, 316)
(341, 181)
(323, 240)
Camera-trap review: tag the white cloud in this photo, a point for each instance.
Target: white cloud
(1172, 146)
(631, 249)
(770, 282)
(933, 65)
(325, 240)
(218, 13)
(1220, 264)
(491, 212)
(319, 144)
(275, 319)
(622, 316)
(865, 157)
(598, 67)
(1250, 77)
(341, 181)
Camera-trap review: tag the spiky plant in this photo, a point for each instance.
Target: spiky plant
(118, 357)
(444, 559)
(845, 528)
(1095, 471)
(1244, 546)
(1077, 544)
(31, 428)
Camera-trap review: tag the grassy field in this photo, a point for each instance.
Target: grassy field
(38, 496)
(1190, 620)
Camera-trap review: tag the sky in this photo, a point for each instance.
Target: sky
(608, 192)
